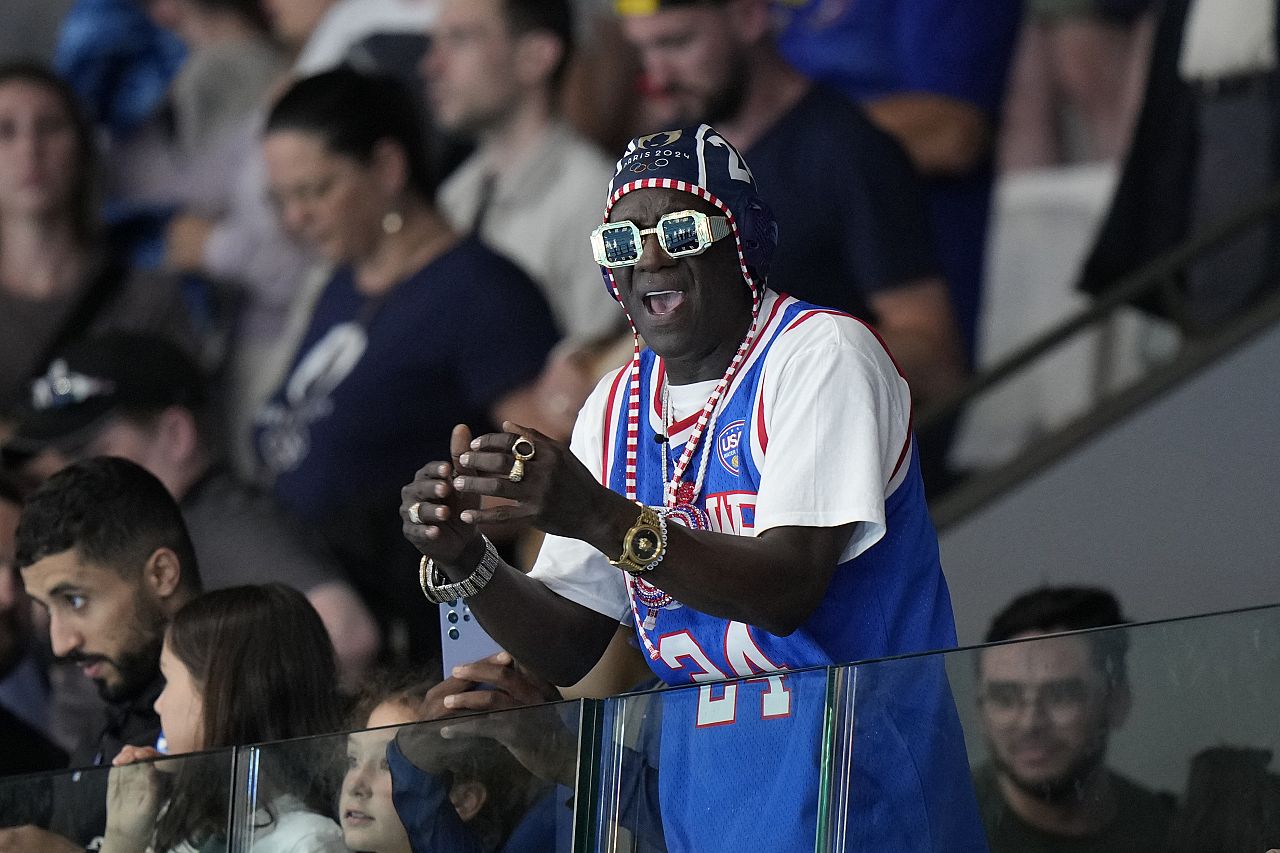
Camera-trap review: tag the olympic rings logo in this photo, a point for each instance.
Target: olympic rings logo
(639, 168)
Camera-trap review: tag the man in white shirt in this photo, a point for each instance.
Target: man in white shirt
(532, 187)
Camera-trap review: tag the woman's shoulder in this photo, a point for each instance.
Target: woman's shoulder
(472, 254)
(483, 273)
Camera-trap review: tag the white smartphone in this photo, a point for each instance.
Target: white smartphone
(462, 640)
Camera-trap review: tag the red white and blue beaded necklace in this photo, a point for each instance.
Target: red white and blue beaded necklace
(679, 496)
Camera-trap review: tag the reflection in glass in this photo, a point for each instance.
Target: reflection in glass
(1048, 708)
(1115, 737)
(467, 784)
(499, 781)
(365, 809)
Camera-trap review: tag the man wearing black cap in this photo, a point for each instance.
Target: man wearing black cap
(746, 495)
(143, 399)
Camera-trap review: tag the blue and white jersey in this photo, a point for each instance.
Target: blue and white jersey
(814, 431)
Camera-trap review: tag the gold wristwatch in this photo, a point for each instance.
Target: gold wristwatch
(644, 544)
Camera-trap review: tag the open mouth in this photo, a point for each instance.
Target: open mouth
(663, 302)
(353, 816)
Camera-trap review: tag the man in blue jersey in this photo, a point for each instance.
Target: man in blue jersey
(746, 494)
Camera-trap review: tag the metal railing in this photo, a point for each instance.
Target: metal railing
(1203, 344)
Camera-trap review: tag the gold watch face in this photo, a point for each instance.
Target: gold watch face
(645, 545)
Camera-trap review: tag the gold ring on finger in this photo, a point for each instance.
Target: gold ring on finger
(413, 513)
(522, 449)
(517, 471)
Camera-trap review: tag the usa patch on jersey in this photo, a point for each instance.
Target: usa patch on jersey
(727, 444)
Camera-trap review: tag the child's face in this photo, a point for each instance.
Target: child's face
(180, 705)
(368, 817)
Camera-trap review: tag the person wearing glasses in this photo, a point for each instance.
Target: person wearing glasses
(745, 495)
(1048, 708)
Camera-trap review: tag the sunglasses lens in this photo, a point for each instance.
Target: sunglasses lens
(680, 235)
(621, 244)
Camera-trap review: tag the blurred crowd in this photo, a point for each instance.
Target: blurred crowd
(270, 251)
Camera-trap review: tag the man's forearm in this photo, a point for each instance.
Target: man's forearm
(943, 136)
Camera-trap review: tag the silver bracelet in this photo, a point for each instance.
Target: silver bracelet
(438, 590)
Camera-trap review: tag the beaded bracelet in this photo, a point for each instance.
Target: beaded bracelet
(662, 528)
(438, 590)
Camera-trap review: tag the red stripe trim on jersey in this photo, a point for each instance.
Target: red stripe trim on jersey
(761, 431)
(906, 445)
(911, 404)
(813, 312)
(902, 455)
(864, 323)
(608, 423)
(682, 425)
(687, 423)
(764, 331)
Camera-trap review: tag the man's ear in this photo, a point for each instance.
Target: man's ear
(468, 799)
(177, 435)
(750, 20)
(162, 574)
(1119, 703)
(536, 55)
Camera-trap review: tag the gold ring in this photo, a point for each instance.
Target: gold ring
(517, 471)
(519, 452)
(413, 513)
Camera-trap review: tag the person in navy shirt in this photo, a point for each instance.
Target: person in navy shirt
(392, 357)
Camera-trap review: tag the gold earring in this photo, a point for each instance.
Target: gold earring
(392, 222)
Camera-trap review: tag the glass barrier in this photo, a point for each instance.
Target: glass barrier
(483, 782)
(728, 766)
(150, 805)
(1159, 736)
(1153, 736)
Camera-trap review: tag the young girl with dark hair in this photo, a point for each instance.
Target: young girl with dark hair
(242, 665)
(471, 801)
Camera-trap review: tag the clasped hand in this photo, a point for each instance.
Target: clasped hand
(554, 492)
(510, 709)
(133, 799)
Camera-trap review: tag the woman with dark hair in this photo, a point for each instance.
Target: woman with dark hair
(242, 665)
(57, 282)
(391, 360)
